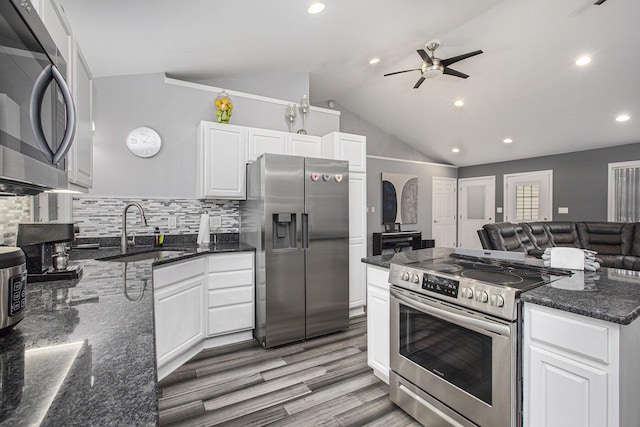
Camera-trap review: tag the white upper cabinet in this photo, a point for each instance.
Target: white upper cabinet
(346, 146)
(304, 145)
(54, 19)
(80, 158)
(221, 161)
(262, 141)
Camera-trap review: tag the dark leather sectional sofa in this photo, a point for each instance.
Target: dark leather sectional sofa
(617, 243)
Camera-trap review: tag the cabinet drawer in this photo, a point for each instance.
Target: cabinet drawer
(232, 318)
(570, 332)
(230, 262)
(224, 297)
(230, 279)
(173, 273)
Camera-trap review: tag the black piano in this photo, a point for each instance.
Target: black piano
(396, 240)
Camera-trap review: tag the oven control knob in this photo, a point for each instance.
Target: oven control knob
(415, 278)
(467, 293)
(497, 300)
(404, 276)
(482, 296)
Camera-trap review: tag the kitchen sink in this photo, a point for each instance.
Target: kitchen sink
(155, 255)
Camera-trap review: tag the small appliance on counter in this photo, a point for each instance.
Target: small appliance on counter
(13, 287)
(46, 246)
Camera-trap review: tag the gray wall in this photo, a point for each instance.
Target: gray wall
(425, 173)
(379, 143)
(580, 179)
(123, 103)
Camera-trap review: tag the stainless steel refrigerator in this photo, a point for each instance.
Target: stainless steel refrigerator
(297, 217)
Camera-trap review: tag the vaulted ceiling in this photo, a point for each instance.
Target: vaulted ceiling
(525, 86)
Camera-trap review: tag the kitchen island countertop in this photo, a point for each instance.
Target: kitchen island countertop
(85, 352)
(609, 294)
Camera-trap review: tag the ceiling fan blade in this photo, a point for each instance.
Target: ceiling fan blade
(454, 73)
(599, 2)
(453, 60)
(425, 56)
(404, 71)
(419, 82)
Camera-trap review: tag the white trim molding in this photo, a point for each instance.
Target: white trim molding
(199, 86)
(419, 162)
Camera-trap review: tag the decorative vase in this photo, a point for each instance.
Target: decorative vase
(224, 106)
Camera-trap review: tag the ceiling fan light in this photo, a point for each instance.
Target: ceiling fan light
(374, 60)
(432, 73)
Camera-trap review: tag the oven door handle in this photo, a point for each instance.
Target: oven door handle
(459, 319)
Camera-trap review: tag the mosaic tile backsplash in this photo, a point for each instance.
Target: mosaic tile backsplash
(102, 217)
(13, 210)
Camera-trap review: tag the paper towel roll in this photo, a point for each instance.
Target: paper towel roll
(203, 232)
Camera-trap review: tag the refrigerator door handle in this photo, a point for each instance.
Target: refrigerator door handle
(305, 231)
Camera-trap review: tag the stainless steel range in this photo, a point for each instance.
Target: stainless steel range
(455, 337)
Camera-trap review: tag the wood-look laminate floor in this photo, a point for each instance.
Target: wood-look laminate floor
(320, 382)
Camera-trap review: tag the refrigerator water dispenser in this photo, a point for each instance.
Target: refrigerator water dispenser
(284, 230)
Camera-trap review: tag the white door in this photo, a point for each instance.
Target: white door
(528, 196)
(443, 212)
(476, 207)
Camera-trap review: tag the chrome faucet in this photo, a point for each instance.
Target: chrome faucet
(124, 242)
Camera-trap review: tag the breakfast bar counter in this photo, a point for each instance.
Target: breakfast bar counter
(85, 352)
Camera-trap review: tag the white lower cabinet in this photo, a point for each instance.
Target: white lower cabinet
(202, 303)
(231, 293)
(378, 321)
(179, 290)
(579, 371)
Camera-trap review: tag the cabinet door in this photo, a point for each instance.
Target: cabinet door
(378, 330)
(179, 318)
(346, 146)
(563, 392)
(357, 207)
(221, 161)
(81, 154)
(265, 141)
(357, 286)
(54, 19)
(304, 145)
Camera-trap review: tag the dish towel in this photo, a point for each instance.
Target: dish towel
(571, 258)
(204, 234)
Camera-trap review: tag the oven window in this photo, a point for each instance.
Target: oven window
(460, 356)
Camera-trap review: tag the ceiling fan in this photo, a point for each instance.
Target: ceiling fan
(433, 67)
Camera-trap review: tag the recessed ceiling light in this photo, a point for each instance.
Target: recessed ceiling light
(459, 103)
(374, 60)
(455, 150)
(583, 60)
(507, 140)
(316, 8)
(622, 118)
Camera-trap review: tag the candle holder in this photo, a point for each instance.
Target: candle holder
(291, 116)
(304, 110)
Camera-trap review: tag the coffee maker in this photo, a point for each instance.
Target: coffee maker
(46, 246)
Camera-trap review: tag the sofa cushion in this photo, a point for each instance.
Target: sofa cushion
(503, 236)
(635, 246)
(537, 234)
(611, 261)
(631, 262)
(562, 233)
(606, 238)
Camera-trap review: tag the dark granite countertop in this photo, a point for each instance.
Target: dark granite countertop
(85, 352)
(609, 294)
(407, 257)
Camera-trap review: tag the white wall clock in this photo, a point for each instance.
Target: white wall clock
(144, 142)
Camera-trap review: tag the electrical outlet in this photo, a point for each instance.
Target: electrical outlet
(172, 222)
(215, 221)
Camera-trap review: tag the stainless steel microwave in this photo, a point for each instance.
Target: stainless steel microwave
(37, 115)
